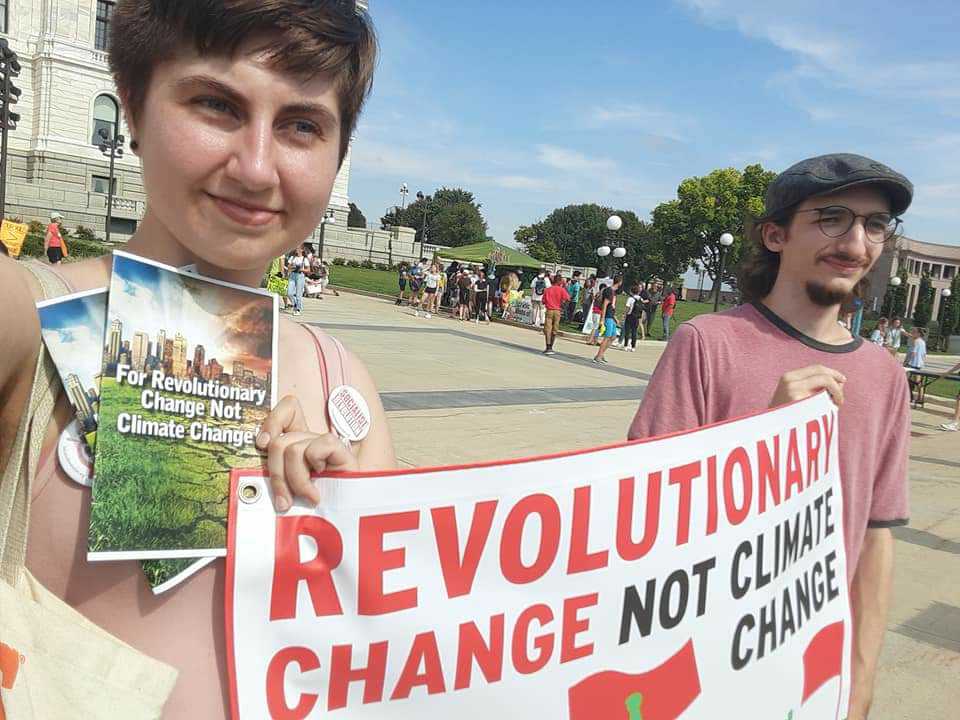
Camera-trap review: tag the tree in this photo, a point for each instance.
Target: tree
(356, 218)
(895, 299)
(534, 242)
(452, 218)
(950, 313)
(457, 224)
(689, 228)
(924, 307)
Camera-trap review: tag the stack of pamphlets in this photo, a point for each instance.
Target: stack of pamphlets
(170, 375)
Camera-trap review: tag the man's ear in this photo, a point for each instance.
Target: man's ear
(774, 236)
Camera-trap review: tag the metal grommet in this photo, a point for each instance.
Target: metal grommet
(249, 492)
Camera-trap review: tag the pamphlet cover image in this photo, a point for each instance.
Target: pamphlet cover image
(72, 330)
(188, 376)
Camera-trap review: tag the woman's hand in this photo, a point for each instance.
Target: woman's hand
(294, 453)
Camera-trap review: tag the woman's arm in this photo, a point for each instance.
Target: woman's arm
(20, 329)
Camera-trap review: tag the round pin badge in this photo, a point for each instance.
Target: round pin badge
(74, 455)
(349, 413)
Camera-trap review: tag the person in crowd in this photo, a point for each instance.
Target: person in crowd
(403, 278)
(241, 114)
(431, 285)
(554, 298)
(586, 297)
(539, 286)
(917, 350)
(416, 274)
(827, 220)
(574, 288)
(643, 297)
(276, 282)
(594, 324)
(313, 281)
(481, 298)
(895, 336)
(297, 266)
(463, 304)
(666, 310)
(608, 311)
(53, 243)
(879, 335)
(633, 310)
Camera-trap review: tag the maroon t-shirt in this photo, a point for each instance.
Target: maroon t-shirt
(726, 365)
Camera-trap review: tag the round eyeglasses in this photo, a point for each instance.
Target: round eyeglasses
(836, 220)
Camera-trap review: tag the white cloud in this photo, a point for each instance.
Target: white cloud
(647, 120)
(521, 182)
(572, 161)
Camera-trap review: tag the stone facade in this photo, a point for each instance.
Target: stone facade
(941, 262)
(53, 163)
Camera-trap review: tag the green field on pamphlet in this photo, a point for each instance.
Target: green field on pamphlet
(159, 494)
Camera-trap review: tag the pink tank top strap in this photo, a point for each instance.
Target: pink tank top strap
(332, 359)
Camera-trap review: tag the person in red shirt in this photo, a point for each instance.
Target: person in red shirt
(666, 310)
(53, 242)
(554, 298)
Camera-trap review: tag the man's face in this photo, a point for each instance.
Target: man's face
(828, 268)
(238, 159)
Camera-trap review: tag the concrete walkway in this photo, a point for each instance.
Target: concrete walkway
(458, 392)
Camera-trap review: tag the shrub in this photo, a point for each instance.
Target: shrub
(383, 267)
(367, 264)
(352, 263)
(84, 233)
(338, 261)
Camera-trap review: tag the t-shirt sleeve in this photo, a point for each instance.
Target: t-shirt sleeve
(890, 505)
(676, 396)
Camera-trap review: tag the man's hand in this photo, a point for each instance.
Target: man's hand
(294, 453)
(802, 383)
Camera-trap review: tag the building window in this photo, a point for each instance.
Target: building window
(104, 15)
(949, 271)
(100, 183)
(106, 116)
(122, 226)
(4, 15)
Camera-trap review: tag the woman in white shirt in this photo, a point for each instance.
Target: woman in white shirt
(879, 335)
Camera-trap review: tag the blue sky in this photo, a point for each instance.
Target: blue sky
(536, 104)
(73, 332)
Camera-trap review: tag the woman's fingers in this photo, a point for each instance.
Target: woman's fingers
(286, 417)
(294, 457)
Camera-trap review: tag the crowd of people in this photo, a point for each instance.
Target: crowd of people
(475, 292)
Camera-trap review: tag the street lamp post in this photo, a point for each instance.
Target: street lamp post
(112, 148)
(9, 95)
(423, 227)
(327, 217)
(726, 240)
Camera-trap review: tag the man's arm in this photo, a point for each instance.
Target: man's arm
(870, 601)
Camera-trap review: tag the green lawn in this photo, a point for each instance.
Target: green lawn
(381, 281)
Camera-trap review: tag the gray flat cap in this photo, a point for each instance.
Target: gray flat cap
(829, 173)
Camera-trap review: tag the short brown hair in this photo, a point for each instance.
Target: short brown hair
(317, 37)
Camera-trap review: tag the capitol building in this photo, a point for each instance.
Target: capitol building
(54, 161)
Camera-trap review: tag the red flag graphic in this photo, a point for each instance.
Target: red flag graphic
(658, 694)
(823, 658)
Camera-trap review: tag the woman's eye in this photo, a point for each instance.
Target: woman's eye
(304, 127)
(215, 104)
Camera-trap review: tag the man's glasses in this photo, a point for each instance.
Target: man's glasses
(836, 220)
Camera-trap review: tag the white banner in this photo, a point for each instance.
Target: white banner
(700, 575)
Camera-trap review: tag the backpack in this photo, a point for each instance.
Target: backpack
(539, 286)
(637, 307)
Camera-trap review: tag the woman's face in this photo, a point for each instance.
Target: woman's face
(238, 159)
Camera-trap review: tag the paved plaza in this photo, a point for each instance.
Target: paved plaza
(458, 392)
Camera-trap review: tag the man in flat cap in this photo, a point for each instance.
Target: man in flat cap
(826, 221)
